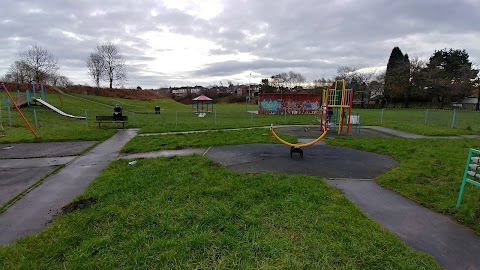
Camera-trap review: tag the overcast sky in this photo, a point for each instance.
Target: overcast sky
(186, 42)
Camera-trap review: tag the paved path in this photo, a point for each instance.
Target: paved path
(18, 175)
(35, 210)
(165, 153)
(416, 136)
(452, 244)
(49, 149)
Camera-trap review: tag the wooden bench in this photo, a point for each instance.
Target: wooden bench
(109, 119)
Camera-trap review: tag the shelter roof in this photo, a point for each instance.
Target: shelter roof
(202, 98)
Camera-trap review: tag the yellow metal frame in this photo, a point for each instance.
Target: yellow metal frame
(338, 98)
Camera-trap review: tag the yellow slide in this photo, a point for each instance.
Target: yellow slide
(296, 145)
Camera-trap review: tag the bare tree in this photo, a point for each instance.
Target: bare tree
(19, 72)
(59, 80)
(114, 64)
(41, 62)
(359, 75)
(345, 73)
(287, 81)
(96, 68)
(418, 77)
(295, 79)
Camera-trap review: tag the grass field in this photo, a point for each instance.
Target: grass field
(120, 226)
(203, 216)
(430, 170)
(178, 117)
(141, 144)
(424, 122)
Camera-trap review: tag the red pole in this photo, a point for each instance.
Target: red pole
(20, 112)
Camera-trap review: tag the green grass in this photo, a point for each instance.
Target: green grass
(178, 117)
(423, 122)
(199, 140)
(430, 172)
(202, 216)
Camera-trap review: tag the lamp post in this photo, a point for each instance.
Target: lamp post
(247, 98)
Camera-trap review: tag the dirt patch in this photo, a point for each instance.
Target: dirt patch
(215, 164)
(340, 190)
(76, 205)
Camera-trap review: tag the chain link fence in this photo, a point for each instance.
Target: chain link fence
(40, 117)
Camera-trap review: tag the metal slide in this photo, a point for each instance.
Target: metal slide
(53, 108)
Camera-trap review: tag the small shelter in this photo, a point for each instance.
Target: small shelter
(202, 104)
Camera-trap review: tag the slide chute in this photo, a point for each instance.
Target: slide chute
(55, 109)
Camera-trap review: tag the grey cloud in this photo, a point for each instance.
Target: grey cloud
(228, 68)
(311, 36)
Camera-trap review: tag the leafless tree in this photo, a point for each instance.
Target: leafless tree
(114, 64)
(345, 73)
(295, 79)
(59, 80)
(354, 73)
(19, 72)
(418, 76)
(287, 81)
(41, 62)
(96, 68)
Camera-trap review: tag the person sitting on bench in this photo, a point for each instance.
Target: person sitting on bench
(117, 113)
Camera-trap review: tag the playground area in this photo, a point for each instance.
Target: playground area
(341, 167)
(23, 164)
(65, 169)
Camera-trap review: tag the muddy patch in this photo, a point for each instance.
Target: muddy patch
(77, 205)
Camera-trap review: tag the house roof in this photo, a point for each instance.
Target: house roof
(202, 98)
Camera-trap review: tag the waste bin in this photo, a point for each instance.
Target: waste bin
(157, 109)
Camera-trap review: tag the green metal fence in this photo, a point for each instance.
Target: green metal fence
(472, 171)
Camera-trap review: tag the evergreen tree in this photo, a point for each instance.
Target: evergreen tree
(405, 80)
(397, 77)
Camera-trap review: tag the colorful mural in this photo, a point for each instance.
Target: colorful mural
(273, 103)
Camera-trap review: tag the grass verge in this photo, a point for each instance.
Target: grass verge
(430, 172)
(156, 215)
(142, 144)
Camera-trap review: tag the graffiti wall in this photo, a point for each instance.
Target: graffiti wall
(273, 103)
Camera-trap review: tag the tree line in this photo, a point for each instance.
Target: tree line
(448, 75)
(40, 66)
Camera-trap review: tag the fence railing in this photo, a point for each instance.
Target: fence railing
(418, 105)
(471, 174)
(182, 120)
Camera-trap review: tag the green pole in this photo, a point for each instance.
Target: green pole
(464, 181)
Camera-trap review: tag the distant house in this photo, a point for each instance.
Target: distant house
(469, 100)
(183, 91)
